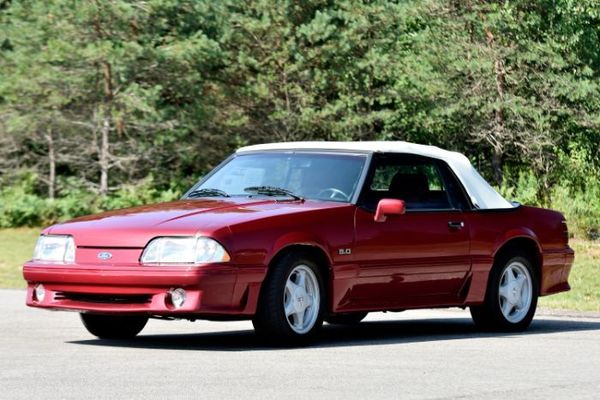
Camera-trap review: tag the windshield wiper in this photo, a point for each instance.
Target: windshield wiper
(271, 191)
(207, 192)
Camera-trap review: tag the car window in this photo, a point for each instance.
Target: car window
(423, 183)
(311, 175)
(384, 175)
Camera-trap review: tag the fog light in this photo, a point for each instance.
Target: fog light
(177, 297)
(39, 292)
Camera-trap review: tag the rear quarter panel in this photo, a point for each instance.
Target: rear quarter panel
(490, 230)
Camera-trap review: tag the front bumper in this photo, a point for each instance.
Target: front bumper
(215, 289)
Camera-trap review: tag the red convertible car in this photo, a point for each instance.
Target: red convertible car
(292, 234)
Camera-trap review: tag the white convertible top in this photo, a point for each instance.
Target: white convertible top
(482, 194)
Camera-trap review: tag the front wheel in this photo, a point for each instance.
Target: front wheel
(511, 297)
(113, 326)
(291, 301)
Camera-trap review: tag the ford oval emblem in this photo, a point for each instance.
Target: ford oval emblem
(104, 255)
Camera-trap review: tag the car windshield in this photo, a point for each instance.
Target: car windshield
(309, 175)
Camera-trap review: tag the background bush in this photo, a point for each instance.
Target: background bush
(119, 102)
(21, 206)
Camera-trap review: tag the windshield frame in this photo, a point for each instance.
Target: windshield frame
(353, 200)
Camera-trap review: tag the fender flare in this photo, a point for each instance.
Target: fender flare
(516, 233)
(298, 239)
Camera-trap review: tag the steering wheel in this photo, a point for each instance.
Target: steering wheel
(333, 194)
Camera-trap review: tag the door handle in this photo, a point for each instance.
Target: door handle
(456, 224)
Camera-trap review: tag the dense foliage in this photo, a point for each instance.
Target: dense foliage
(109, 103)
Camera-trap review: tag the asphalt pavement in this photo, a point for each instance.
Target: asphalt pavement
(428, 354)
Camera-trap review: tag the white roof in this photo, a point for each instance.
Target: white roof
(481, 193)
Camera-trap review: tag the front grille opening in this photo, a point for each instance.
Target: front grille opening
(104, 298)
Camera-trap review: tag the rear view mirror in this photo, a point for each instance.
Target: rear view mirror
(389, 207)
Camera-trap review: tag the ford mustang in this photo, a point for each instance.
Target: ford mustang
(289, 235)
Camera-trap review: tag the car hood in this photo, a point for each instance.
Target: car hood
(135, 227)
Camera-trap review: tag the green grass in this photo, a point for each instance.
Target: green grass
(16, 247)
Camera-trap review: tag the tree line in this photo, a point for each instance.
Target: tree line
(99, 95)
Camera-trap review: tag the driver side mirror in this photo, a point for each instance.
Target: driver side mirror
(389, 207)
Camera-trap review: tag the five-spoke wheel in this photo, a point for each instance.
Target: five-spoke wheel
(515, 292)
(301, 299)
(291, 301)
(511, 296)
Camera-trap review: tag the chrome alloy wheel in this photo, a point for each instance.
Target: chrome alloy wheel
(516, 292)
(301, 299)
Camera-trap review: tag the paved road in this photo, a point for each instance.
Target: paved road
(411, 355)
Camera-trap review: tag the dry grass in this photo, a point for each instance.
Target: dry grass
(16, 247)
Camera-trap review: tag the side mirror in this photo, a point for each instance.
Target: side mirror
(389, 207)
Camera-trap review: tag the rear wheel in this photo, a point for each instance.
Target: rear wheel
(113, 326)
(511, 297)
(291, 302)
(346, 319)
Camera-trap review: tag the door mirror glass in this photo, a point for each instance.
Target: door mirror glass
(387, 207)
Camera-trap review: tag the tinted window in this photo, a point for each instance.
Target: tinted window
(323, 176)
(423, 183)
(386, 173)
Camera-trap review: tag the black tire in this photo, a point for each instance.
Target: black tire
(270, 320)
(489, 315)
(346, 319)
(113, 326)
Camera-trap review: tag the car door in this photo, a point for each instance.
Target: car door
(419, 258)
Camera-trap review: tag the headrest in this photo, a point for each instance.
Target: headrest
(409, 185)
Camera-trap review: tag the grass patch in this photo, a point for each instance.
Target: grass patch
(16, 247)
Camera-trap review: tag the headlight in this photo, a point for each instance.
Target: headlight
(183, 250)
(56, 248)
